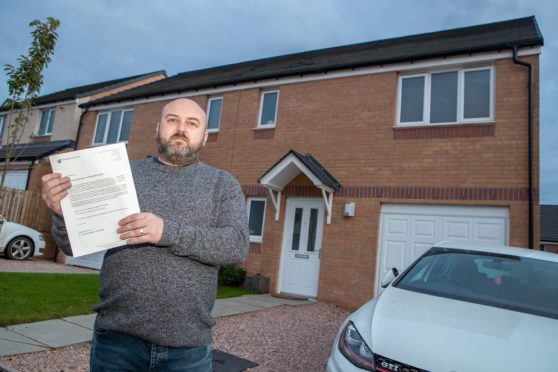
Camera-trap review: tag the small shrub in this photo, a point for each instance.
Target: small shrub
(231, 275)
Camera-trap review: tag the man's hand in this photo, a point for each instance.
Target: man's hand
(54, 188)
(141, 228)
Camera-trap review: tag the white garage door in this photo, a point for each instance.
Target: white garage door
(16, 179)
(407, 231)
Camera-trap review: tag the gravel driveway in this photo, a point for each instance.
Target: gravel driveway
(285, 338)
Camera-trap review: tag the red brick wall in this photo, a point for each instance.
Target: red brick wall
(553, 248)
(348, 125)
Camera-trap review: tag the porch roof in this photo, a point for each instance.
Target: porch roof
(35, 151)
(291, 165)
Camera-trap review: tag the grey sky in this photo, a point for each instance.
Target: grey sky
(102, 39)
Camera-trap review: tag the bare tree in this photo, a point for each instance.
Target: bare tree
(25, 82)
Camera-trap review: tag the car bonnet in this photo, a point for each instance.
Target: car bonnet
(441, 334)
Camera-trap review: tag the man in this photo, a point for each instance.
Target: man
(157, 291)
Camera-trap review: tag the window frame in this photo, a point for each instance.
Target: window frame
(51, 112)
(460, 97)
(491, 99)
(3, 120)
(105, 135)
(256, 238)
(209, 103)
(262, 96)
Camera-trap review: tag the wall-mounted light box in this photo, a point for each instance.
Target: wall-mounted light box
(349, 209)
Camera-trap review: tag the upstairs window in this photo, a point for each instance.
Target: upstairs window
(256, 214)
(47, 122)
(446, 97)
(3, 124)
(477, 95)
(268, 109)
(214, 114)
(113, 127)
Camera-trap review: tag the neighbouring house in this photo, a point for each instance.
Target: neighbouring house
(358, 158)
(549, 228)
(54, 126)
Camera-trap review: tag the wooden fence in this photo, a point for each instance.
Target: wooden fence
(26, 208)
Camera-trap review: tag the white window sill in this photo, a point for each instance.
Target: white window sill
(102, 144)
(430, 125)
(264, 127)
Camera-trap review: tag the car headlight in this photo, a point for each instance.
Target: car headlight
(353, 347)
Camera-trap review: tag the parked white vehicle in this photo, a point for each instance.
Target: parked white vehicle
(19, 242)
(458, 308)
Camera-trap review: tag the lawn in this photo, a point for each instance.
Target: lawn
(31, 297)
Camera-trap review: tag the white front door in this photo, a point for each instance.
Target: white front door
(302, 242)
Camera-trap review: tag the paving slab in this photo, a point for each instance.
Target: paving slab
(86, 321)
(224, 311)
(54, 333)
(12, 343)
(242, 307)
(267, 301)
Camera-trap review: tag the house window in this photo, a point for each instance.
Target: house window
(256, 214)
(268, 108)
(2, 125)
(47, 122)
(214, 114)
(476, 102)
(113, 127)
(446, 97)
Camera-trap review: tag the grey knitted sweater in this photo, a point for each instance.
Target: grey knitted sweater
(164, 293)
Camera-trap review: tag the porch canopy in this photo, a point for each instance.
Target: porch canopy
(291, 165)
(35, 151)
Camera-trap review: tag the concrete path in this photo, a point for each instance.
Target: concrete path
(50, 334)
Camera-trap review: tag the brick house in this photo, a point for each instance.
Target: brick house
(356, 159)
(54, 126)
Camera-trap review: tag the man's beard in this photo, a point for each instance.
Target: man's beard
(178, 155)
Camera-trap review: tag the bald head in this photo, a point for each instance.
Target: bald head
(181, 132)
(184, 105)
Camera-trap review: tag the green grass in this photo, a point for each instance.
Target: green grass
(31, 297)
(228, 292)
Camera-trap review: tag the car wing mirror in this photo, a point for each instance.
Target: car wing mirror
(389, 276)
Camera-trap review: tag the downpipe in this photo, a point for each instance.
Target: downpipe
(516, 60)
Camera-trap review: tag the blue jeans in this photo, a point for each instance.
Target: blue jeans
(114, 351)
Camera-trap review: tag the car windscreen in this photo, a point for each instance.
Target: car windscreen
(522, 284)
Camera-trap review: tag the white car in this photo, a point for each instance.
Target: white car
(458, 308)
(19, 242)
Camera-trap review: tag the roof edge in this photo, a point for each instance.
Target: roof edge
(112, 86)
(170, 89)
